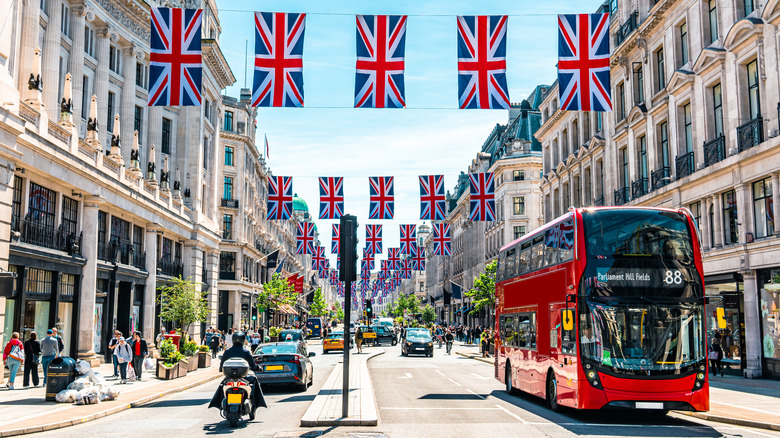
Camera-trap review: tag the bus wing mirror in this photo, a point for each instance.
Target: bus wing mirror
(721, 312)
(567, 316)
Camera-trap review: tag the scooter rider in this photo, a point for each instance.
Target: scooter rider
(237, 351)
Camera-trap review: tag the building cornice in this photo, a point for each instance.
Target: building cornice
(213, 57)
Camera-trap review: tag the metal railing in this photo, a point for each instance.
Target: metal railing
(227, 275)
(626, 28)
(750, 134)
(621, 196)
(139, 261)
(106, 252)
(660, 177)
(714, 151)
(173, 269)
(36, 233)
(599, 202)
(685, 165)
(230, 203)
(639, 188)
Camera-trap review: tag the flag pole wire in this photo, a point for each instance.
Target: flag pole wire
(352, 14)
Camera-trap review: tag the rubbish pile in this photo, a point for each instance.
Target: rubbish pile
(88, 389)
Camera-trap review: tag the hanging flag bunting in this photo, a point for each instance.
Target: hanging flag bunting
(482, 62)
(305, 238)
(393, 259)
(334, 243)
(280, 197)
(406, 269)
(418, 260)
(331, 197)
(482, 197)
(441, 239)
(432, 197)
(408, 239)
(278, 79)
(334, 277)
(374, 239)
(318, 259)
(367, 265)
(379, 71)
(175, 61)
(583, 62)
(381, 197)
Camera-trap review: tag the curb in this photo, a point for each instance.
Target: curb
(729, 420)
(107, 412)
(311, 416)
(481, 359)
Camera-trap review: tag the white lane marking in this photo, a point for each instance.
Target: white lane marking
(437, 409)
(407, 376)
(455, 382)
(440, 373)
(475, 393)
(511, 414)
(480, 377)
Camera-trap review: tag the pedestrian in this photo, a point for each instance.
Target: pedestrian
(140, 352)
(32, 352)
(483, 343)
(207, 337)
(112, 343)
(449, 339)
(229, 338)
(50, 349)
(124, 354)
(359, 339)
(716, 357)
(13, 355)
(214, 344)
(60, 342)
(160, 337)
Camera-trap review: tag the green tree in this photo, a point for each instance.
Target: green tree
(428, 315)
(483, 295)
(318, 305)
(181, 303)
(276, 293)
(339, 311)
(409, 303)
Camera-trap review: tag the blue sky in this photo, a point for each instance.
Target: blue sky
(330, 138)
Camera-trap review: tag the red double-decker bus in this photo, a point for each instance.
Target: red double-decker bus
(604, 308)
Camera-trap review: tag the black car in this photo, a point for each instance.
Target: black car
(284, 362)
(383, 334)
(417, 342)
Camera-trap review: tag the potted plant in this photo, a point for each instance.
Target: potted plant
(184, 365)
(273, 332)
(204, 356)
(167, 370)
(190, 350)
(170, 367)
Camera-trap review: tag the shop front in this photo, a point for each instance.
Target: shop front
(727, 291)
(769, 296)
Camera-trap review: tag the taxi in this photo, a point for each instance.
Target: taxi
(333, 342)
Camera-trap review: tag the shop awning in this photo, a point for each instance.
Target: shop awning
(287, 309)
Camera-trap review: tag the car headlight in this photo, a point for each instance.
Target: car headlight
(430, 344)
(408, 344)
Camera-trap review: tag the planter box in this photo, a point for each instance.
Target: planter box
(167, 373)
(274, 338)
(204, 359)
(184, 367)
(192, 363)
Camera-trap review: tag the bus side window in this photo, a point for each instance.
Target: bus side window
(500, 268)
(538, 252)
(509, 269)
(525, 258)
(508, 330)
(551, 238)
(567, 240)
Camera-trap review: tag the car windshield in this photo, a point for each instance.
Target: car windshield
(296, 335)
(336, 336)
(277, 349)
(420, 334)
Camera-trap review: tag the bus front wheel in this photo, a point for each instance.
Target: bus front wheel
(552, 393)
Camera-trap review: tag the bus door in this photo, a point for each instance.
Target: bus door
(563, 353)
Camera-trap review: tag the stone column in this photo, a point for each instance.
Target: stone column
(776, 201)
(50, 69)
(127, 112)
(744, 212)
(101, 82)
(86, 324)
(153, 137)
(705, 223)
(31, 12)
(718, 216)
(76, 61)
(752, 326)
(150, 246)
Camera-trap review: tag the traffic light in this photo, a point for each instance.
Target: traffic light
(369, 311)
(348, 248)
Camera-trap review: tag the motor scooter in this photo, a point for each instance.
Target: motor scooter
(237, 400)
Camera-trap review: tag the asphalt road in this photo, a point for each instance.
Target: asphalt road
(443, 396)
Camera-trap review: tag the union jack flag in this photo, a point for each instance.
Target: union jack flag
(367, 263)
(334, 277)
(318, 259)
(365, 274)
(482, 62)
(482, 197)
(406, 269)
(334, 244)
(418, 260)
(305, 238)
(432, 197)
(331, 197)
(175, 62)
(583, 62)
(374, 239)
(379, 72)
(408, 238)
(280, 197)
(441, 239)
(381, 196)
(393, 259)
(278, 77)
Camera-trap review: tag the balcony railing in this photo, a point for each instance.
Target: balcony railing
(173, 269)
(639, 188)
(227, 275)
(660, 178)
(599, 202)
(230, 203)
(626, 28)
(139, 261)
(621, 196)
(36, 233)
(750, 134)
(106, 252)
(714, 151)
(685, 165)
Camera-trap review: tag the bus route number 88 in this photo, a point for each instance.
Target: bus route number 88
(673, 277)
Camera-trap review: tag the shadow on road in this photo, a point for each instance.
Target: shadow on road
(180, 403)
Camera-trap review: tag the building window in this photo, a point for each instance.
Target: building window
(110, 113)
(683, 44)
(518, 175)
(730, 229)
(228, 121)
(663, 146)
(749, 6)
(227, 227)
(102, 223)
(228, 155)
(717, 106)
(599, 122)
(138, 240)
(762, 208)
(643, 162)
(206, 148)
(16, 206)
(65, 14)
(621, 103)
(44, 7)
(227, 266)
(624, 175)
(166, 136)
(70, 214)
(166, 250)
(39, 282)
(67, 285)
(227, 191)
(687, 127)
(696, 211)
(138, 121)
(713, 7)
(660, 69)
(518, 203)
(115, 59)
(639, 84)
(519, 231)
(89, 41)
(754, 100)
(43, 203)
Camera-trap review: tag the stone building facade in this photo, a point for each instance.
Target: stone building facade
(695, 89)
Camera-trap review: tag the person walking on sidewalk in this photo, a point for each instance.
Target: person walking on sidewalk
(13, 355)
(50, 349)
(716, 358)
(32, 351)
(359, 339)
(216, 339)
(140, 352)
(112, 343)
(60, 342)
(124, 354)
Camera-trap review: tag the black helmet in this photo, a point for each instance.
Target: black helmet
(239, 338)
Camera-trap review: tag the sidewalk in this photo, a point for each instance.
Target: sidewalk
(325, 409)
(24, 411)
(733, 400)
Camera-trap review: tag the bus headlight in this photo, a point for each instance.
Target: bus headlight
(592, 376)
(699, 382)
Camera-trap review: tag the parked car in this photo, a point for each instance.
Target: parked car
(417, 341)
(284, 363)
(297, 335)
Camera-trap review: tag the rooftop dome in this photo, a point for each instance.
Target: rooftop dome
(299, 204)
